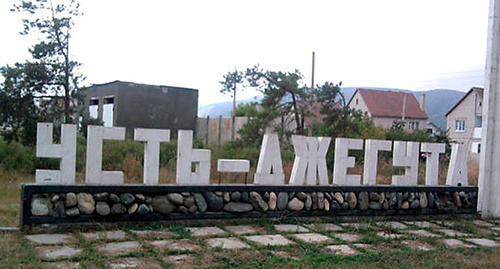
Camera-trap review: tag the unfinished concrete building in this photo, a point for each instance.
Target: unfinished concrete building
(133, 105)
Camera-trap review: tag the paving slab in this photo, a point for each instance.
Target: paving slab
(418, 245)
(292, 228)
(227, 243)
(392, 224)
(356, 225)
(482, 223)
(134, 263)
(312, 237)
(455, 243)
(388, 235)
(58, 252)
(205, 231)
(269, 240)
(153, 234)
(495, 229)
(190, 260)
(243, 229)
(483, 242)
(342, 250)
(51, 239)
(417, 233)
(178, 260)
(422, 224)
(483, 231)
(108, 235)
(324, 227)
(120, 248)
(453, 233)
(347, 236)
(284, 254)
(446, 223)
(62, 265)
(182, 244)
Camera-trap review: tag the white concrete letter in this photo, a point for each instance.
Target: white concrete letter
(309, 166)
(93, 171)
(233, 165)
(66, 151)
(405, 154)
(187, 157)
(432, 162)
(457, 171)
(152, 137)
(342, 161)
(372, 147)
(270, 168)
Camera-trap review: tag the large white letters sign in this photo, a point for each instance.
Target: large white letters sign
(457, 171)
(342, 161)
(187, 157)
(309, 166)
(93, 172)
(66, 151)
(372, 147)
(152, 137)
(432, 162)
(270, 168)
(193, 165)
(406, 155)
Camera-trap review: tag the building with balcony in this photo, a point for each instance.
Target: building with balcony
(464, 121)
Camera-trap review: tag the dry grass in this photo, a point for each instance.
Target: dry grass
(10, 196)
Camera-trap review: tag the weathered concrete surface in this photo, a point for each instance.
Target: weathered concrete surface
(227, 243)
(270, 240)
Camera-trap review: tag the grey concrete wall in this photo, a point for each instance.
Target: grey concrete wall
(218, 130)
(147, 106)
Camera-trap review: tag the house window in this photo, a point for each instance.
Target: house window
(460, 125)
(356, 101)
(476, 147)
(413, 125)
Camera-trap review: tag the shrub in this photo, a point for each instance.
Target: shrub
(15, 156)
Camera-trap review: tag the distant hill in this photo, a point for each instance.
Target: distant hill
(223, 108)
(437, 103)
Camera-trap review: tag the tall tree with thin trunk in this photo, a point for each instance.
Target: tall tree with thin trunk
(52, 23)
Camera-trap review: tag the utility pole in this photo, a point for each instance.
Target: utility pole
(312, 80)
(489, 170)
(313, 90)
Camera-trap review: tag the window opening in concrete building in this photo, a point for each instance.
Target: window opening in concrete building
(108, 111)
(94, 108)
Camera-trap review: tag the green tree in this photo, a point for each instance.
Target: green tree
(18, 111)
(52, 24)
(282, 93)
(339, 120)
(247, 110)
(230, 84)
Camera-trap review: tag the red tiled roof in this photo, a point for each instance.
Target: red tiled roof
(390, 104)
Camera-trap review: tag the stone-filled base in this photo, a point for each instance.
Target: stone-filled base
(96, 203)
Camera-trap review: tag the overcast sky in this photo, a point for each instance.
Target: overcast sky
(416, 45)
